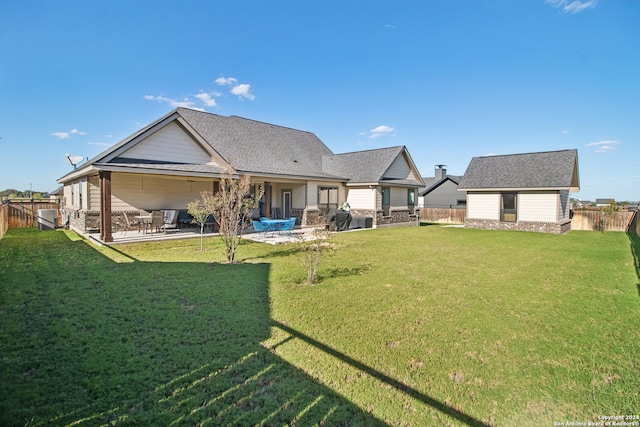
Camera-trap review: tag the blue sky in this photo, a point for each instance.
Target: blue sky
(449, 79)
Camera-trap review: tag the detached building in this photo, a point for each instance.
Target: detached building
(527, 192)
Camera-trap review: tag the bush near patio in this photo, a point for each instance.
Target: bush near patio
(408, 326)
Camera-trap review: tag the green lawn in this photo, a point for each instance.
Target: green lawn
(408, 326)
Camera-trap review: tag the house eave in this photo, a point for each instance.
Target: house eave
(515, 189)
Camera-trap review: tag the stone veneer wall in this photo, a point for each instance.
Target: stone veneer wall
(539, 227)
(311, 217)
(396, 217)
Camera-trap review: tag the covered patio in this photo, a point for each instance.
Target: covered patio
(125, 237)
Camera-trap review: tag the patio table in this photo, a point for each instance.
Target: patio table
(273, 225)
(144, 220)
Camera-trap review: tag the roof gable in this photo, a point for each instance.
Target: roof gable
(170, 144)
(543, 170)
(392, 165)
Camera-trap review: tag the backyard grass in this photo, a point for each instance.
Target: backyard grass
(408, 326)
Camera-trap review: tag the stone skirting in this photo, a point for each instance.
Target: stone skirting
(311, 217)
(535, 226)
(396, 217)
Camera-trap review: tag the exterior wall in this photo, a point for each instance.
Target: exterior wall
(483, 206)
(446, 195)
(538, 206)
(170, 144)
(398, 198)
(362, 198)
(149, 192)
(536, 211)
(94, 193)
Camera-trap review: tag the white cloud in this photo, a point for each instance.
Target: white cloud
(206, 99)
(243, 91)
(61, 135)
(100, 143)
(574, 6)
(186, 102)
(380, 131)
(604, 146)
(565, 132)
(226, 81)
(67, 135)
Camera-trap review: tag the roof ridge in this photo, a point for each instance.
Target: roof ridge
(525, 154)
(395, 147)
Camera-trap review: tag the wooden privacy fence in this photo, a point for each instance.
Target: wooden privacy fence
(595, 220)
(25, 214)
(4, 220)
(443, 215)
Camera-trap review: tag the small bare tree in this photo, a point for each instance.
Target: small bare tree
(198, 210)
(232, 207)
(313, 249)
(606, 215)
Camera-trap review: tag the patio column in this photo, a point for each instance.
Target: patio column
(267, 198)
(105, 207)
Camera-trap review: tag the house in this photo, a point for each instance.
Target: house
(604, 202)
(441, 190)
(527, 192)
(169, 162)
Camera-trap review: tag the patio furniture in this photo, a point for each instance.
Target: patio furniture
(184, 218)
(259, 227)
(157, 220)
(170, 220)
(128, 223)
(287, 226)
(144, 220)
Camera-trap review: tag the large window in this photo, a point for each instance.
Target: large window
(509, 207)
(386, 200)
(327, 199)
(411, 200)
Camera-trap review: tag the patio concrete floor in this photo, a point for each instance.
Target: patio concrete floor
(133, 236)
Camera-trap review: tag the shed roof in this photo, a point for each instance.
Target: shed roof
(541, 170)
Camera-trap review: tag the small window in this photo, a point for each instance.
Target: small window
(509, 212)
(411, 200)
(327, 199)
(386, 201)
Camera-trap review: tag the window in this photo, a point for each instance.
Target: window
(386, 200)
(509, 211)
(411, 200)
(327, 199)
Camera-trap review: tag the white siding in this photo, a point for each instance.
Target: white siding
(399, 198)
(362, 198)
(399, 169)
(131, 192)
(483, 206)
(94, 194)
(538, 207)
(169, 144)
(298, 197)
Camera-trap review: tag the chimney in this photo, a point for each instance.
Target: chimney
(441, 172)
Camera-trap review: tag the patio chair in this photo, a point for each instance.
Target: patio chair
(128, 224)
(258, 227)
(157, 220)
(288, 227)
(170, 220)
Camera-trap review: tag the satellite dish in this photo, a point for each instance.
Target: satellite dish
(74, 160)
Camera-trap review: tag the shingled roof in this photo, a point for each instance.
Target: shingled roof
(255, 148)
(542, 170)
